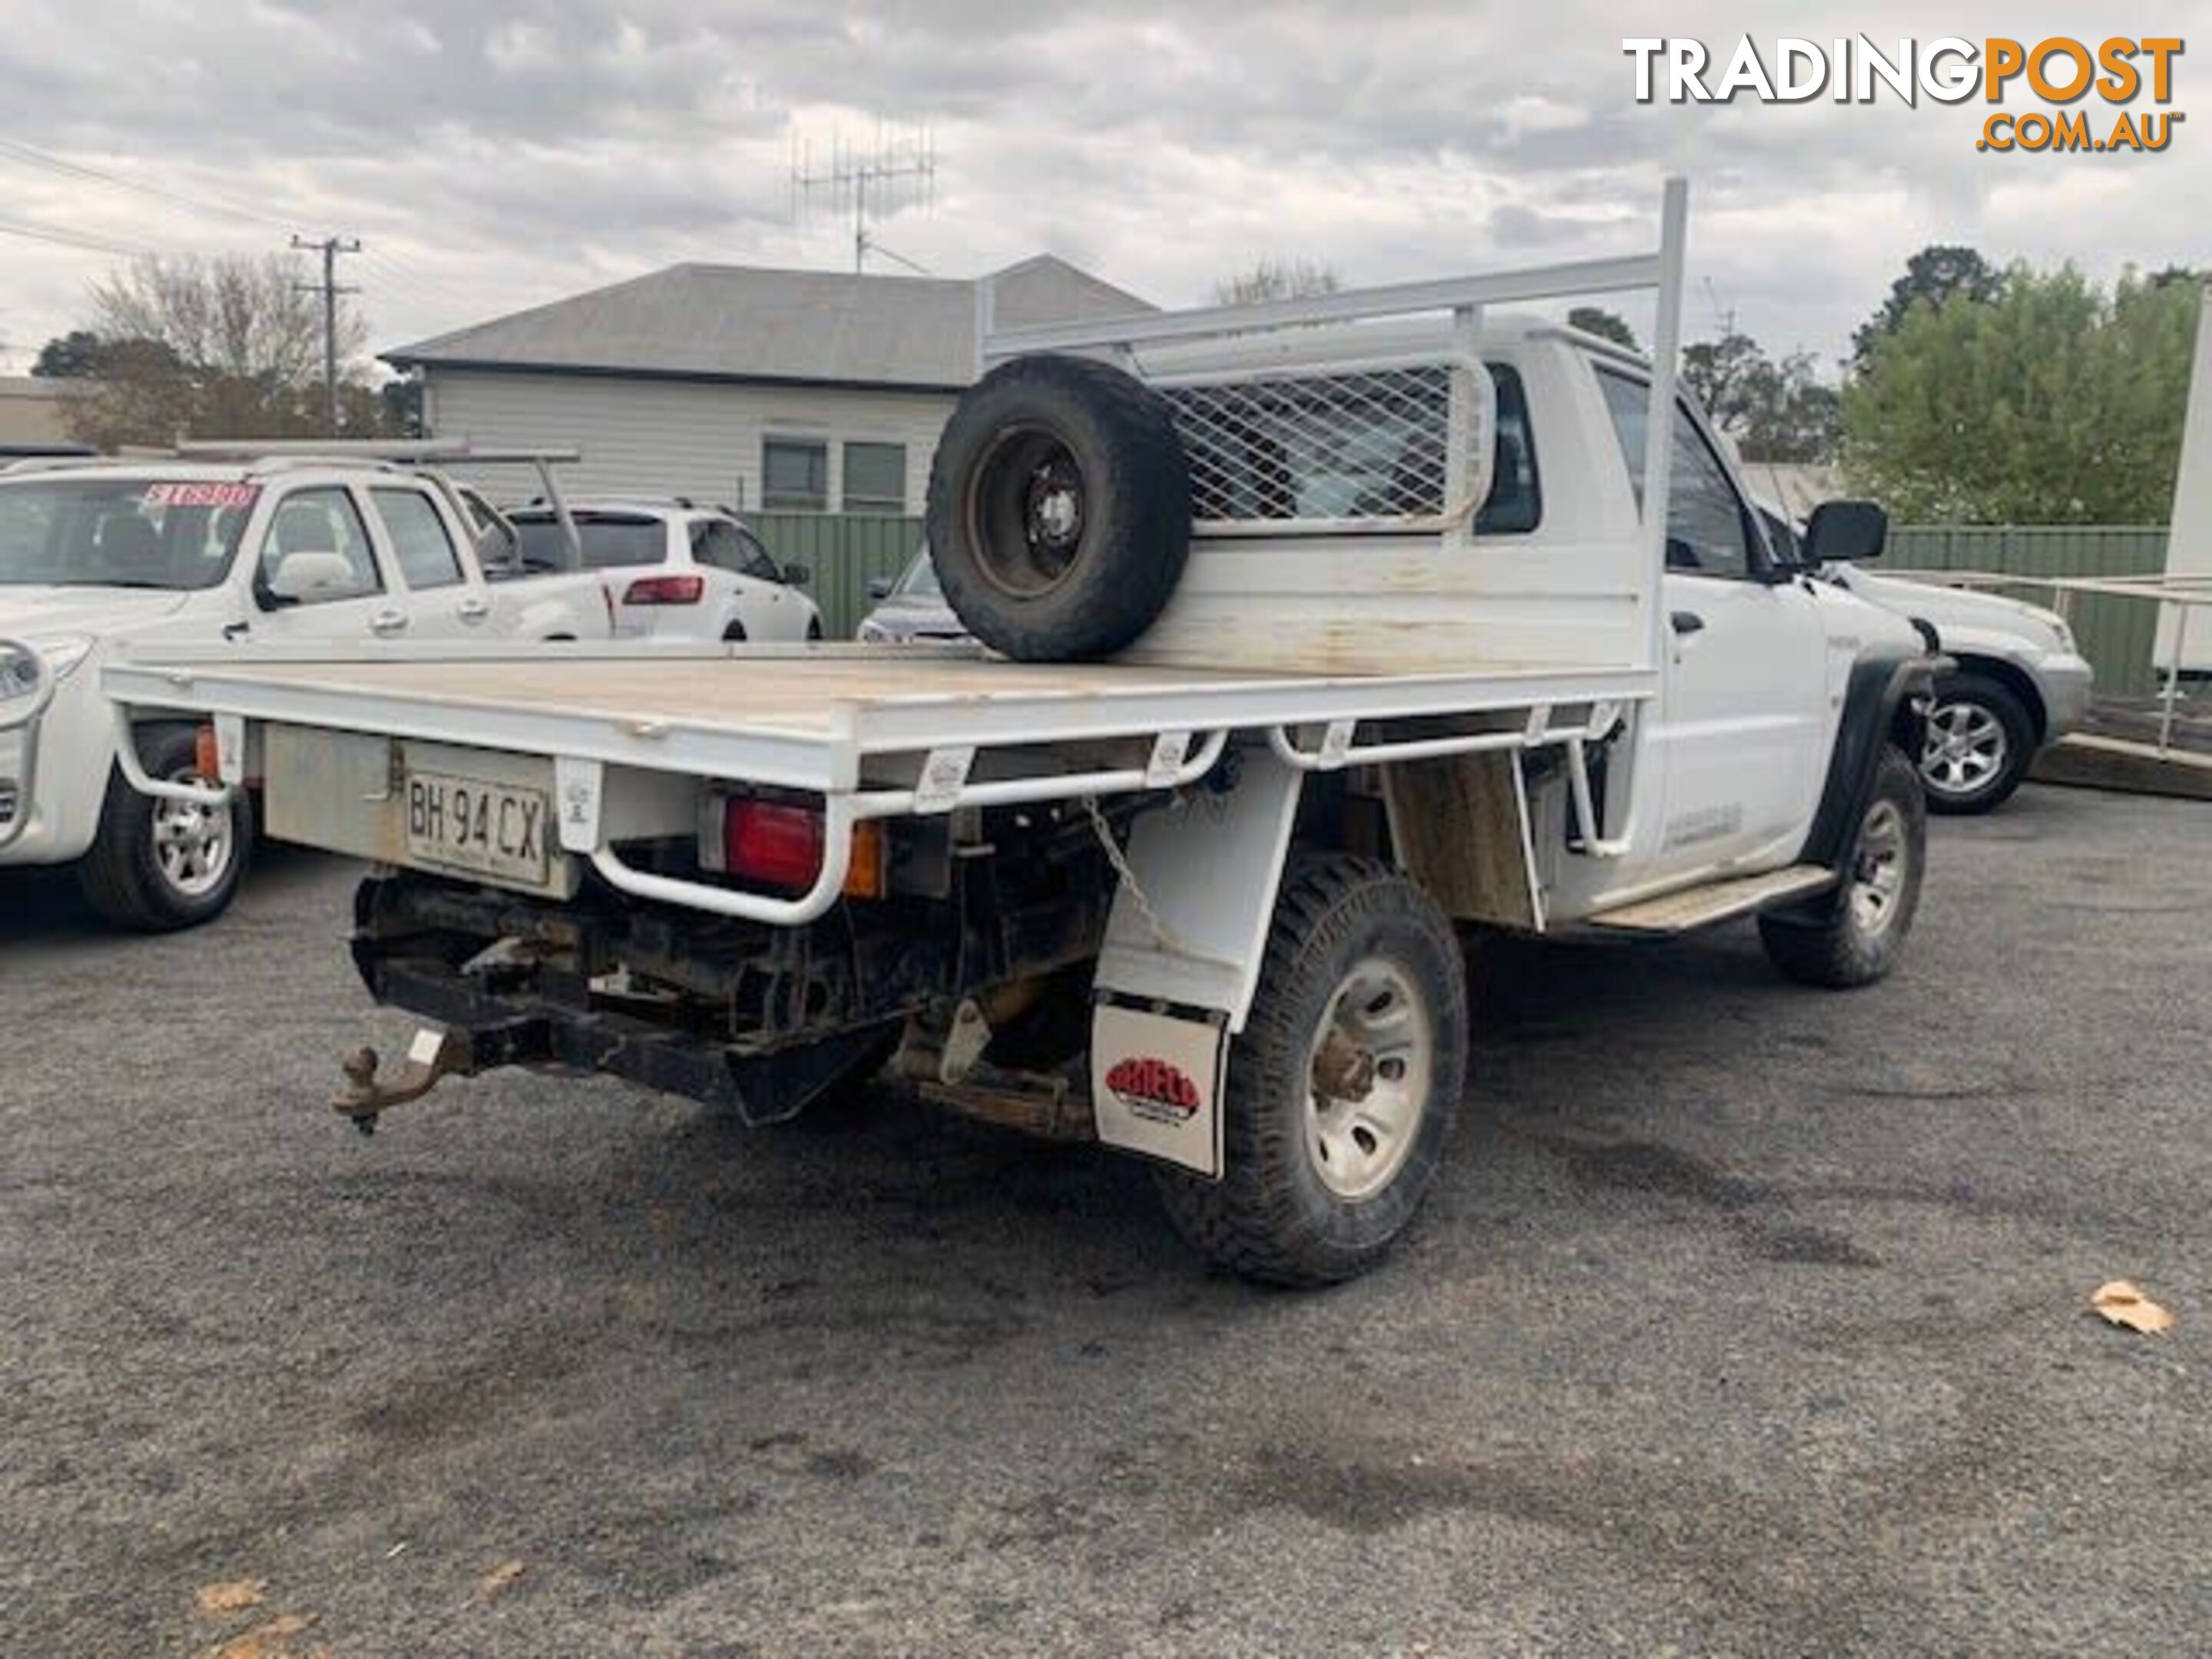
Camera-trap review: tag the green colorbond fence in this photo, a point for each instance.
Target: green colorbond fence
(2116, 635)
(845, 551)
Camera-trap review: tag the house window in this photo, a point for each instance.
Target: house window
(875, 477)
(795, 474)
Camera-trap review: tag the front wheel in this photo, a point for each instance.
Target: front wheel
(1852, 935)
(159, 865)
(1343, 1085)
(1980, 741)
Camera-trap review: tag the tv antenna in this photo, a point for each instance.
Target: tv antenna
(898, 172)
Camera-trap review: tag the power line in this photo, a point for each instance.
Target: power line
(36, 157)
(83, 242)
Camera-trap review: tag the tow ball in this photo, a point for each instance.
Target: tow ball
(432, 1057)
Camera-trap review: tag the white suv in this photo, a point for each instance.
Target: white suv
(680, 572)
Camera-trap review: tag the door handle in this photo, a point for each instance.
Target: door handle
(1688, 622)
(473, 608)
(387, 622)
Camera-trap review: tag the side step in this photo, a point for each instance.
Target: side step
(1717, 901)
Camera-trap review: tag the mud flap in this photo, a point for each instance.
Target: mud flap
(1156, 1083)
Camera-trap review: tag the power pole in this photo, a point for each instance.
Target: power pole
(330, 248)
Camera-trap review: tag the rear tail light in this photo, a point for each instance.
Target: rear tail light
(666, 590)
(779, 844)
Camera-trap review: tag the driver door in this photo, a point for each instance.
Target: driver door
(1741, 722)
(363, 604)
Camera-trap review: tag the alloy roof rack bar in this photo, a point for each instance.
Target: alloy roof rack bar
(1352, 305)
(422, 452)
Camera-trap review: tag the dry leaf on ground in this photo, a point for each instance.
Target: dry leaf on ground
(2122, 1303)
(499, 1579)
(234, 1596)
(269, 1640)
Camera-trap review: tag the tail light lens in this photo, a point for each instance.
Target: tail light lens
(778, 844)
(666, 590)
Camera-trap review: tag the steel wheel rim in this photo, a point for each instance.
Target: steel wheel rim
(1966, 749)
(1878, 869)
(1028, 509)
(193, 845)
(1369, 1073)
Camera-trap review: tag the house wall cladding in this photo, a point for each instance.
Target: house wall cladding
(697, 439)
(2116, 635)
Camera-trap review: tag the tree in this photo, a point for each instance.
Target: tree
(400, 406)
(1774, 411)
(1934, 276)
(1596, 320)
(1276, 279)
(2056, 402)
(71, 356)
(228, 347)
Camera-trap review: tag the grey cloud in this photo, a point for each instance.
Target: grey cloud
(494, 151)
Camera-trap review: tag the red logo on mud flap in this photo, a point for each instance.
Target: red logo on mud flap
(1154, 1090)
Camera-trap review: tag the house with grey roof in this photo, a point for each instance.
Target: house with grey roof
(803, 390)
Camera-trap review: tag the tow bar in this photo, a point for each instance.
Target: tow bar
(432, 1057)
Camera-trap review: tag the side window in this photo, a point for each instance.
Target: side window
(715, 543)
(757, 562)
(1708, 529)
(795, 474)
(1516, 502)
(325, 521)
(419, 539)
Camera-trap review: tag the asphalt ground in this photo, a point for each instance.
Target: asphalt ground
(1745, 1319)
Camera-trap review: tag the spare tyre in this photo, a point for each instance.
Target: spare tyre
(1059, 508)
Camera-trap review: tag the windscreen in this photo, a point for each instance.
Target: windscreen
(919, 581)
(110, 531)
(610, 540)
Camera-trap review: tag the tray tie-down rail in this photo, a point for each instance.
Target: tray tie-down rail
(1178, 759)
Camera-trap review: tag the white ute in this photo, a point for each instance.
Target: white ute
(1427, 661)
(299, 552)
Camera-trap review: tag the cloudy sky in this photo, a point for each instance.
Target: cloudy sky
(495, 154)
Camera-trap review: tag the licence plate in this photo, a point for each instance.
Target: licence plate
(494, 829)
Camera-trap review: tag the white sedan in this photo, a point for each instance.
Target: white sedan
(680, 572)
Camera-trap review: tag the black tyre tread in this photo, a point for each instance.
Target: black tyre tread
(2019, 742)
(1825, 949)
(1120, 582)
(1248, 1221)
(116, 875)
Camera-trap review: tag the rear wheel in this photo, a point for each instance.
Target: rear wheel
(1344, 1084)
(1059, 508)
(1980, 741)
(159, 865)
(1851, 936)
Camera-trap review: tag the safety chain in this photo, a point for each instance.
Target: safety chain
(1161, 933)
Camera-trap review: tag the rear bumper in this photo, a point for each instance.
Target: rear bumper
(555, 1019)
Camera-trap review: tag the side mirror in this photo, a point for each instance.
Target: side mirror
(306, 578)
(879, 589)
(797, 575)
(1845, 532)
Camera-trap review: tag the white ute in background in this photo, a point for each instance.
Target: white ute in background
(294, 551)
(680, 572)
